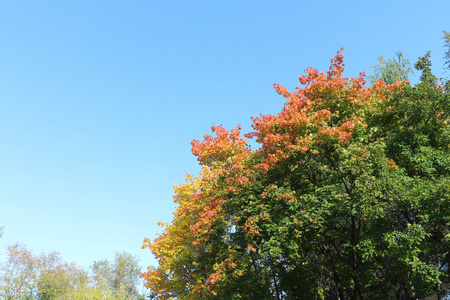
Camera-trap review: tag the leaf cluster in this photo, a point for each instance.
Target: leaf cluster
(391, 70)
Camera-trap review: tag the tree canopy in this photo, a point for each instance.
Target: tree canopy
(121, 276)
(347, 197)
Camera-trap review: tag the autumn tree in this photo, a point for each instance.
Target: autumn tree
(58, 279)
(348, 197)
(18, 275)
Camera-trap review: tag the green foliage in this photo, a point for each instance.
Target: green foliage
(96, 292)
(391, 70)
(446, 38)
(424, 64)
(121, 276)
(58, 279)
(447, 45)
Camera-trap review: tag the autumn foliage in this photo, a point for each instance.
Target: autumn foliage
(346, 197)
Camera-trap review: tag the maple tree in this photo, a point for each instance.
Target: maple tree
(346, 198)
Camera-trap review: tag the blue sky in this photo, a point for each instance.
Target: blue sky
(100, 99)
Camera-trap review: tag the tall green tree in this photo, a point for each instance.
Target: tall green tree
(446, 38)
(391, 70)
(348, 197)
(121, 275)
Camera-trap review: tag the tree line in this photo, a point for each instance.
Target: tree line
(24, 275)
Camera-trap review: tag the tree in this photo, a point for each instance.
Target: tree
(120, 276)
(348, 197)
(57, 279)
(447, 46)
(391, 70)
(18, 275)
(27, 276)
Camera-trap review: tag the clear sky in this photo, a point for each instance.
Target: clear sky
(100, 99)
